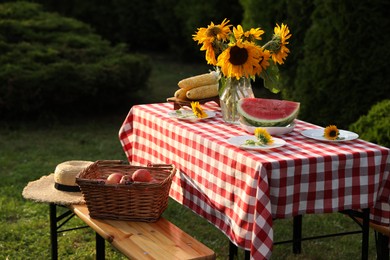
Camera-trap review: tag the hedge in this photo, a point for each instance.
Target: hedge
(375, 125)
(337, 67)
(53, 63)
(344, 69)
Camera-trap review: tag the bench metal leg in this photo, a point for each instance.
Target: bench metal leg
(100, 247)
(53, 231)
(56, 223)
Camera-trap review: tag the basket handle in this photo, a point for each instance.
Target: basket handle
(161, 165)
(110, 162)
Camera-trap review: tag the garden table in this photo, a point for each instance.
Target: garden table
(242, 191)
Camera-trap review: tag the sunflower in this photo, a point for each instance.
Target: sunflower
(279, 41)
(263, 136)
(240, 59)
(198, 110)
(213, 32)
(331, 132)
(251, 35)
(263, 61)
(210, 53)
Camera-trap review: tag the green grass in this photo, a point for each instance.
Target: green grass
(29, 150)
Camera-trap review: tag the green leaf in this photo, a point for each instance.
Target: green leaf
(271, 78)
(222, 85)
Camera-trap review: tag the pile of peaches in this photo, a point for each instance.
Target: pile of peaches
(140, 175)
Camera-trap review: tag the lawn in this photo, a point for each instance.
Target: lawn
(29, 150)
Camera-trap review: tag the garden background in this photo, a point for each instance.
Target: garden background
(71, 70)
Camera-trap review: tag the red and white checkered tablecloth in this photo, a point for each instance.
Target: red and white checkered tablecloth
(241, 191)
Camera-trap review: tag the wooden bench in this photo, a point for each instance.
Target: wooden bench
(142, 240)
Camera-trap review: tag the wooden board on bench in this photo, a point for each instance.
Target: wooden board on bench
(143, 240)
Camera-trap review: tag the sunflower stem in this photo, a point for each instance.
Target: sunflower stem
(234, 90)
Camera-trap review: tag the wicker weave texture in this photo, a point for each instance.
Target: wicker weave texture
(139, 201)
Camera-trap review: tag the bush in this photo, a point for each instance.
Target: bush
(337, 66)
(375, 126)
(266, 14)
(49, 62)
(134, 22)
(344, 70)
(181, 19)
(155, 25)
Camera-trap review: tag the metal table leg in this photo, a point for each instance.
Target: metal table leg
(365, 233)
(297, 234)
(382, 246)
(233, 250)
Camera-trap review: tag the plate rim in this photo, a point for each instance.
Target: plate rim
(246, 147)
(210, 114)
(321, 138)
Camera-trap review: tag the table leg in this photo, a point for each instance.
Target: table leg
(100, 247)
(233, 250)
(297, 234)
(53, 231)
(382, 246)
(365, 233)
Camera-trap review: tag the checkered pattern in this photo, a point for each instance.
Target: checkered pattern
(240, 191)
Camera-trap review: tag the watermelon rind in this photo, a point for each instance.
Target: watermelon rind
(262, 122)
(268, 123)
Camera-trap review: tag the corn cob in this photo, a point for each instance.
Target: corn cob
(181, 94)
(207, 91)
(199, 80)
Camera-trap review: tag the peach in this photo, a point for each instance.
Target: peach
(114, 178)
(142, 175)
(126, 179)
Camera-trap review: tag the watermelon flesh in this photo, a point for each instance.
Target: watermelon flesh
(267, 112)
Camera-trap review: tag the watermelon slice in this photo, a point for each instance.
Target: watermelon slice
(267, 112)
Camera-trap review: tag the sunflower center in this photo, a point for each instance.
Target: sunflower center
(213, 31)
(333, 133)
(238, 56)
(198, 111)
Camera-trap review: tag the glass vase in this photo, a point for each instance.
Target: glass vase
(233, 90)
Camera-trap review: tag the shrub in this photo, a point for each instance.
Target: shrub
(180, 20)
(344, 70)
(337, 67)
(375, 126)
(49, 62)
(133, 22)
(155, 25)
(296, 14)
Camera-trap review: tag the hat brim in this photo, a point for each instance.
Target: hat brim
(43, 190)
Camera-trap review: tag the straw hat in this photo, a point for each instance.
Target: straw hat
(59, 187)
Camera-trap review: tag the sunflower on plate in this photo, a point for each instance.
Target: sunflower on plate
(262, 138)
(331, 132)
(198, 110)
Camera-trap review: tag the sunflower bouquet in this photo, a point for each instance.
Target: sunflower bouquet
(239, 55)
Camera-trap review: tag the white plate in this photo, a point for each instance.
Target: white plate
(188, 115)
(240, 142)
(277, 130)
(318, 134)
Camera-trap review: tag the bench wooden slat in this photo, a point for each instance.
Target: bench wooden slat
(142, 240)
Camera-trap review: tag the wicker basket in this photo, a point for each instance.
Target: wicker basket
(138, 201)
